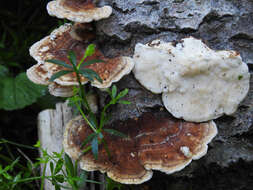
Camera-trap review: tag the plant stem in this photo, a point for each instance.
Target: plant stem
(16, 144)
(28, 179)
(9, 161)
(82, 91)
(32, 164)
(82, 60)
(43, 176)
(85, 118)
(87, 149)
(102, 117)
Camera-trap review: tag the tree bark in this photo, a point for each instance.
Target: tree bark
(223, 24)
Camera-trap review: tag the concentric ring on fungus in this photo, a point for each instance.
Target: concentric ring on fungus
(57, 46)
(155, 141)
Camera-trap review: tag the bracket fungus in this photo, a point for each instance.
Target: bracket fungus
(197, 83)
(81, 11)
(58, 44)
(60, 91)
(155, 141)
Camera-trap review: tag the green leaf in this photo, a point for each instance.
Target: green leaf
(88, 139)
(59, 62)
(16, 144)
(76, 90)
(14, 163)
(94, 147)
(112, 185)
(122, 94)
(69, 165)
(115, 132)
(90, 50)
(90, 74)
(124, 102)
(92, 181)
(52, 168)
(16, 93)
(7, 176)
(17, 177)
(72, 58)
(106, 119)
(100, 135)
(58, 155)
(240, 77)
(4, 71)
(54, 182)
(108, 91)
(114, 91)
(73, 100)
(59, 74)
(93, 120)
(90, 62)
(37, 145)
(86, 75)
(83, 176)
(60, 178)
(58, 166)
(57, 187)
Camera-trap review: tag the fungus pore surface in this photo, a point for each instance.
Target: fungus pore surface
(155, 141)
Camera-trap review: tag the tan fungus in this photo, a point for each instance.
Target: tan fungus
(58, 44)
(60, 91)
(82, 11)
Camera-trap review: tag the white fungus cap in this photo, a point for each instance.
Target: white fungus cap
(198, 83)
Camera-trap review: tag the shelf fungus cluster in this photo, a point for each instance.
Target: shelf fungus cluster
(155, 141)
(74, 38)
(197, 83)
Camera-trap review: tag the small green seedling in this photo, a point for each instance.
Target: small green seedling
(79, 99)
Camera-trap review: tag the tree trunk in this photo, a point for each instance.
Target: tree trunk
(223, 24)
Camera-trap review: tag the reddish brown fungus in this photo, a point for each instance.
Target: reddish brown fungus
(154, 141)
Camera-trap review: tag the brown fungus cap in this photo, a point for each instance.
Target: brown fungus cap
(37, 75)
(58, 44)
(155, 141)
(82, 11)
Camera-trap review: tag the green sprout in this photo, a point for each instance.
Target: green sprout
(64, 173)
(79, 99)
